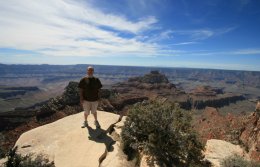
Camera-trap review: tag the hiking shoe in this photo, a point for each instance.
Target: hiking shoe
(97, 124)
(85, 124)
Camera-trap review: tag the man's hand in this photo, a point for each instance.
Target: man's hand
(81, 103)
(99, 94)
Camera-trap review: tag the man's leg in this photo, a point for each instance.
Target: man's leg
(95, 115)
(86, 107)
(86, 116)
(94, 106)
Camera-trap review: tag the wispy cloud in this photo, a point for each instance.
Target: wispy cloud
(70, 28)
(247, 52)
(184, 43)
(164, 35)
(242, 4)
(230, 66)
(221, 53)
(202, 34)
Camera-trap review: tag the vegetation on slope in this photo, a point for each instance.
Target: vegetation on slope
(164, 132)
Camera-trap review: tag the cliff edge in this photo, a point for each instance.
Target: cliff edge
(67, 144)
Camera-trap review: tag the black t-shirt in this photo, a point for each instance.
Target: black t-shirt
(90, 86)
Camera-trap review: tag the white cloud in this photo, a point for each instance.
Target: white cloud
(70, 28)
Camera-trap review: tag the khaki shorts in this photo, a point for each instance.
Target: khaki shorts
(90, 106)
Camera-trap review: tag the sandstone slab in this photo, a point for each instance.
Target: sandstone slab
(69, 145)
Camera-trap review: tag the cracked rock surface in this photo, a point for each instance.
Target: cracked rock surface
(69, 145)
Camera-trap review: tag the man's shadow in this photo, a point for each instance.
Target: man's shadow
(99, 135)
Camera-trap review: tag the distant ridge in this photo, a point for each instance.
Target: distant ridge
(153, 67)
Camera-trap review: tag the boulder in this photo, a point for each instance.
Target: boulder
(217, 150)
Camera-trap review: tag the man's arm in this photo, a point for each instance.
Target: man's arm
(99, 89)
(81, 96)
(99, 84)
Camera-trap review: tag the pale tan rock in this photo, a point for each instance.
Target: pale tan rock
(217, 150)
(69, 145)
(257, 108)
(116, 157)
(3, 161)
(144, 162)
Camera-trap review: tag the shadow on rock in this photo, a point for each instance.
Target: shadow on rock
(100, 136)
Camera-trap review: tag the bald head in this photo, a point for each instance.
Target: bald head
(90, 71)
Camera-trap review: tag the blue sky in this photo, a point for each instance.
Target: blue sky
(220, 34)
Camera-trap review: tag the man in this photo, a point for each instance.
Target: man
(89, 88)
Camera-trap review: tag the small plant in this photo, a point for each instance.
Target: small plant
(238, 161)
(17, 160)
(162, 131)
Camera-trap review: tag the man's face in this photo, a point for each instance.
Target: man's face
(90, 71)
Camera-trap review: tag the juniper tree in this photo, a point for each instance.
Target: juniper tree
(164, 132)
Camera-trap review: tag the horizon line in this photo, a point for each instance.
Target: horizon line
(131, 66)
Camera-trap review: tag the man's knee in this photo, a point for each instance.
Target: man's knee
(86, 113)
(94, 112)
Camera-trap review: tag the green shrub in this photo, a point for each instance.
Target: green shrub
(238, 161)
(16, 160)
(2, 154)
(164, 132)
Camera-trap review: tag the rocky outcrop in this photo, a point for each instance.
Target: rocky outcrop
(250, 135)
(60, 140)
(218, 150)
(237, 129)
(212, 125)
(70, 97)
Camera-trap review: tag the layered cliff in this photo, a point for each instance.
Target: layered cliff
(157, 86)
